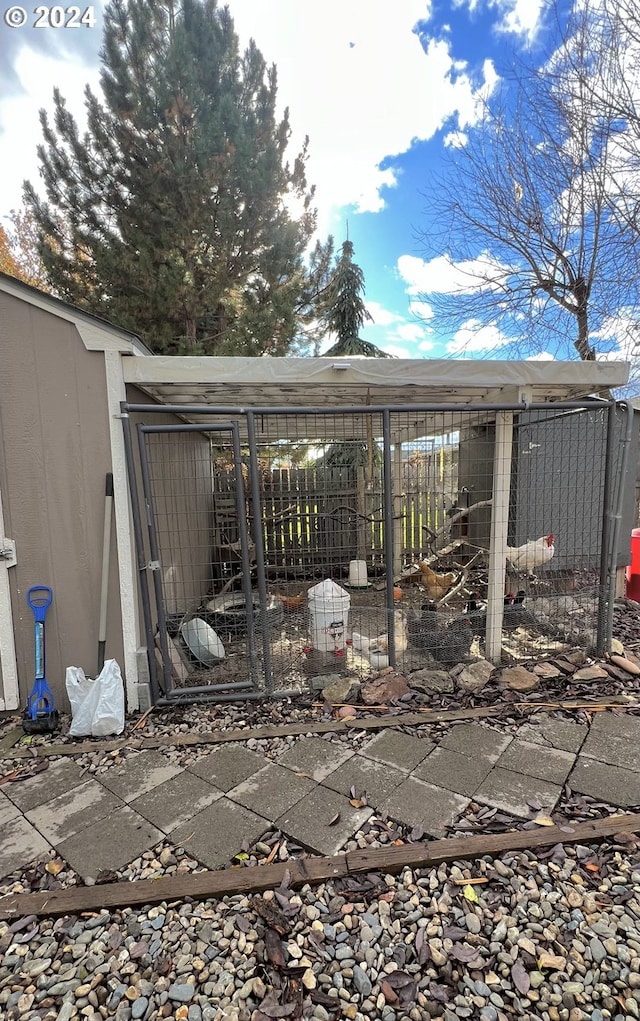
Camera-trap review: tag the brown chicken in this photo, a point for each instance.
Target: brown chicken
(437, 585)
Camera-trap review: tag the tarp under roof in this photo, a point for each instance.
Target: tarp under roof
(338, 383)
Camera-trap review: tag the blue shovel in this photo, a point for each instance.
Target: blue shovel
(40, 716)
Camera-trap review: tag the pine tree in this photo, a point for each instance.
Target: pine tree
(345, 310)
(170, 214)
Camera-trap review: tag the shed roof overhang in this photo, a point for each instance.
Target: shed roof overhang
(336, 384)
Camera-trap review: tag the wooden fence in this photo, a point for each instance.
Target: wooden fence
(318, 517)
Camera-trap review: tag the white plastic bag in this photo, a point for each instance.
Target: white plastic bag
(97, 705)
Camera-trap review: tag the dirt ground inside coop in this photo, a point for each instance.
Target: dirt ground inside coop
(566, 607)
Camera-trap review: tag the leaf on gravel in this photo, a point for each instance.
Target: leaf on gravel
(22, 923)
(535, 804)
(271, 1008)
(521, 979)
(452, 932)
(241, 856)
(163, 965)
(470, 894)
(543, 820)
(388, 992)
(53, 867)
(441, 993)
(464, 953)
(335, 819)
(356, 802)
(271, 914)
(275, 955)
(244, 846)
(399, 979)
(417, 833)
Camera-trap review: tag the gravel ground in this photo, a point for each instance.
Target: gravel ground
(553, 935)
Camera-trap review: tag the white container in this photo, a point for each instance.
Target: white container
(358, 577)
(328, 616)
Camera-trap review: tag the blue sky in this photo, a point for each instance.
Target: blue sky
(382, 88)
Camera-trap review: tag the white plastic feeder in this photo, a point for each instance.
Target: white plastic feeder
(328, 615)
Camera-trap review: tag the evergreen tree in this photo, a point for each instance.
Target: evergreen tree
(170, 214)
(345, 311)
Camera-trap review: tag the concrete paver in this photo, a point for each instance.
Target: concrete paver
(367, 777)
(226, 767)
(432, 808)
(271, 791)
(316, 757)
(311, 821)
(615, 739)
(562, 734)
(60, 777)
(453, 771)
(476, 741)
(20, 844)
(73, 811)
(398, 749)
(7, 810)
(109, 843)
(138, 775)
(605, 782)
(511, 792)
(216, 835)
(176, 801)
(545, 763)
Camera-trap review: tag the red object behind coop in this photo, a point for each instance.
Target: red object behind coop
(632, 589)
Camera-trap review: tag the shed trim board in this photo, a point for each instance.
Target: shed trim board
(9, 691)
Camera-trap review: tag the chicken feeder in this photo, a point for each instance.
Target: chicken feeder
(328, 616)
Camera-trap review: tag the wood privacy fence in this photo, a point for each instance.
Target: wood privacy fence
(317, 517)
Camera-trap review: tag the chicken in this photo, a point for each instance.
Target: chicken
(452, 643)
(420, 629)
(515, 615)
(376, 649)
(437, 585)
(533, 554)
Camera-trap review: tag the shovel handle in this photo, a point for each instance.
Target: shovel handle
(39, 598)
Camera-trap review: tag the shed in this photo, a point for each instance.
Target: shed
(80, 398)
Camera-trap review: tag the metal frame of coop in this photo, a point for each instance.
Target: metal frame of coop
(240, 425)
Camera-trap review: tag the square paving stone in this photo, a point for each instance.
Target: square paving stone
(73, 811)
(228, 766)
(109, 843)
(216, 835)
(614, 739)
(176, 801)
(316, 757)
(453, 771)
(138, 775)
(604, 782)
(545, 763)
(510, 792)
(476, 742)
(568, 737)
(308, 821)
(61, 776)
(20, 844)
(366, 776)
(432, 808)
(398, 749)
(271, 791)
(7, 810)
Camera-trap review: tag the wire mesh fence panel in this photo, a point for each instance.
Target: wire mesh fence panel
(354, 540)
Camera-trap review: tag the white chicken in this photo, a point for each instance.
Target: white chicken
(533, 554)
(376, 650)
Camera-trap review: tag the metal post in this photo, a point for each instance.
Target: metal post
(625, 444)
(397, 508)
(140, 554)
(387, 486)
(259, 545)
(499, 533)
(608, 504)
(241, 511)
(154, 566)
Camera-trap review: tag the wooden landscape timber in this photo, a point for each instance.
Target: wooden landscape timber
(422, 718)
(303, 871)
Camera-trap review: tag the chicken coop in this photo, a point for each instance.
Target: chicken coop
(301, 519)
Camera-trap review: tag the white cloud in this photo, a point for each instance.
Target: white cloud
(473, 337)
(455, 140)
(426, 345)
(410, 331)
(442, 276)
(382, 316)
(421, 309)
(544, 356)
(397, 352)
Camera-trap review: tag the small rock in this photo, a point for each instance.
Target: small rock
(475, 676)
(589, 673)
(598, 951)
(139, 1007)
(473, 924)
(181, 992)
(431, 682)
(546, 670)
(384, 689)
(308, 979)
(519, 679)
(361, 981)
(626, 665)
(346, 689)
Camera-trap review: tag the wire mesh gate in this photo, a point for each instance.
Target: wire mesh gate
(410, 511)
